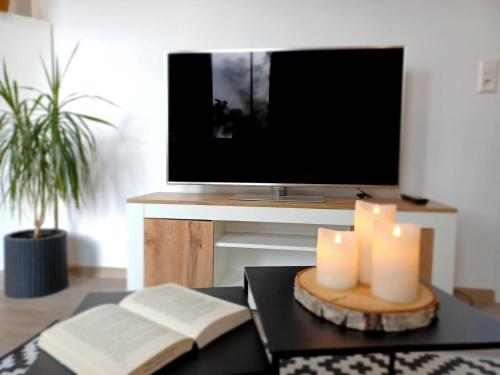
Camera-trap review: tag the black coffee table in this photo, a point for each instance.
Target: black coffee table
(240, 351)
(293, 331)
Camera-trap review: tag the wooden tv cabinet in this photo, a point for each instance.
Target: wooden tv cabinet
(204, 240)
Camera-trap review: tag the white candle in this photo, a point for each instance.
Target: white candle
(395, 267)
(365, 217)
(337, 259)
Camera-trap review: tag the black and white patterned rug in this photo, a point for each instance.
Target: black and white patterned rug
(18, 362)
(406, 364)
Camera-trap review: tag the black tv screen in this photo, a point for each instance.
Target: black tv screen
(313, 117)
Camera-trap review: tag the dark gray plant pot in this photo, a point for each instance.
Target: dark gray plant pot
(35, 267)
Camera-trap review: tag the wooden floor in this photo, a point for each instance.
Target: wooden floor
(22, 319)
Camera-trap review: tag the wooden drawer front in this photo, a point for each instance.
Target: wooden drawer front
(426, 254)
(180, 251)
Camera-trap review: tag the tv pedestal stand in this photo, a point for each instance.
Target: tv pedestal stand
(278, 194)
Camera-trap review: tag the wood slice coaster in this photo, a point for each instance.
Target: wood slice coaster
(358, 309)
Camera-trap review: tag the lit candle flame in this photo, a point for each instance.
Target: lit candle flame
(376, 209)
(338, 238)
(396, 232)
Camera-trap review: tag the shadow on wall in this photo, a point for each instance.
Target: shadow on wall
(82, 249)
(415, 111)
(117, 172)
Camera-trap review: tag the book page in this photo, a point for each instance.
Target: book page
(187, 311)
(111, 340)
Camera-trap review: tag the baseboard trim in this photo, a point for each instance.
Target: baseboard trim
(478, 296)
(98, 272)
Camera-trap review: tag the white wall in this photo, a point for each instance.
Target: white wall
(23, 41)
(451, 134)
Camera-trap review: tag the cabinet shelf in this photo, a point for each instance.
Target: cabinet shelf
(232, 278)
(269, 241)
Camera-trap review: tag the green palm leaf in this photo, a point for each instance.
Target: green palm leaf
(46, 151)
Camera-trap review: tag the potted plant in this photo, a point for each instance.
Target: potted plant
(46, 154)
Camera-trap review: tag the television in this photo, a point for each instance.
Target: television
(312, 117)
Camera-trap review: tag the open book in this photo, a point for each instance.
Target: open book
(147, 330)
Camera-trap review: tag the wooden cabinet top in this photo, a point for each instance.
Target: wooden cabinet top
(330, 202)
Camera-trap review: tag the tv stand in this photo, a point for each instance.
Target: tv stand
(201, 240)
(279, 194)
